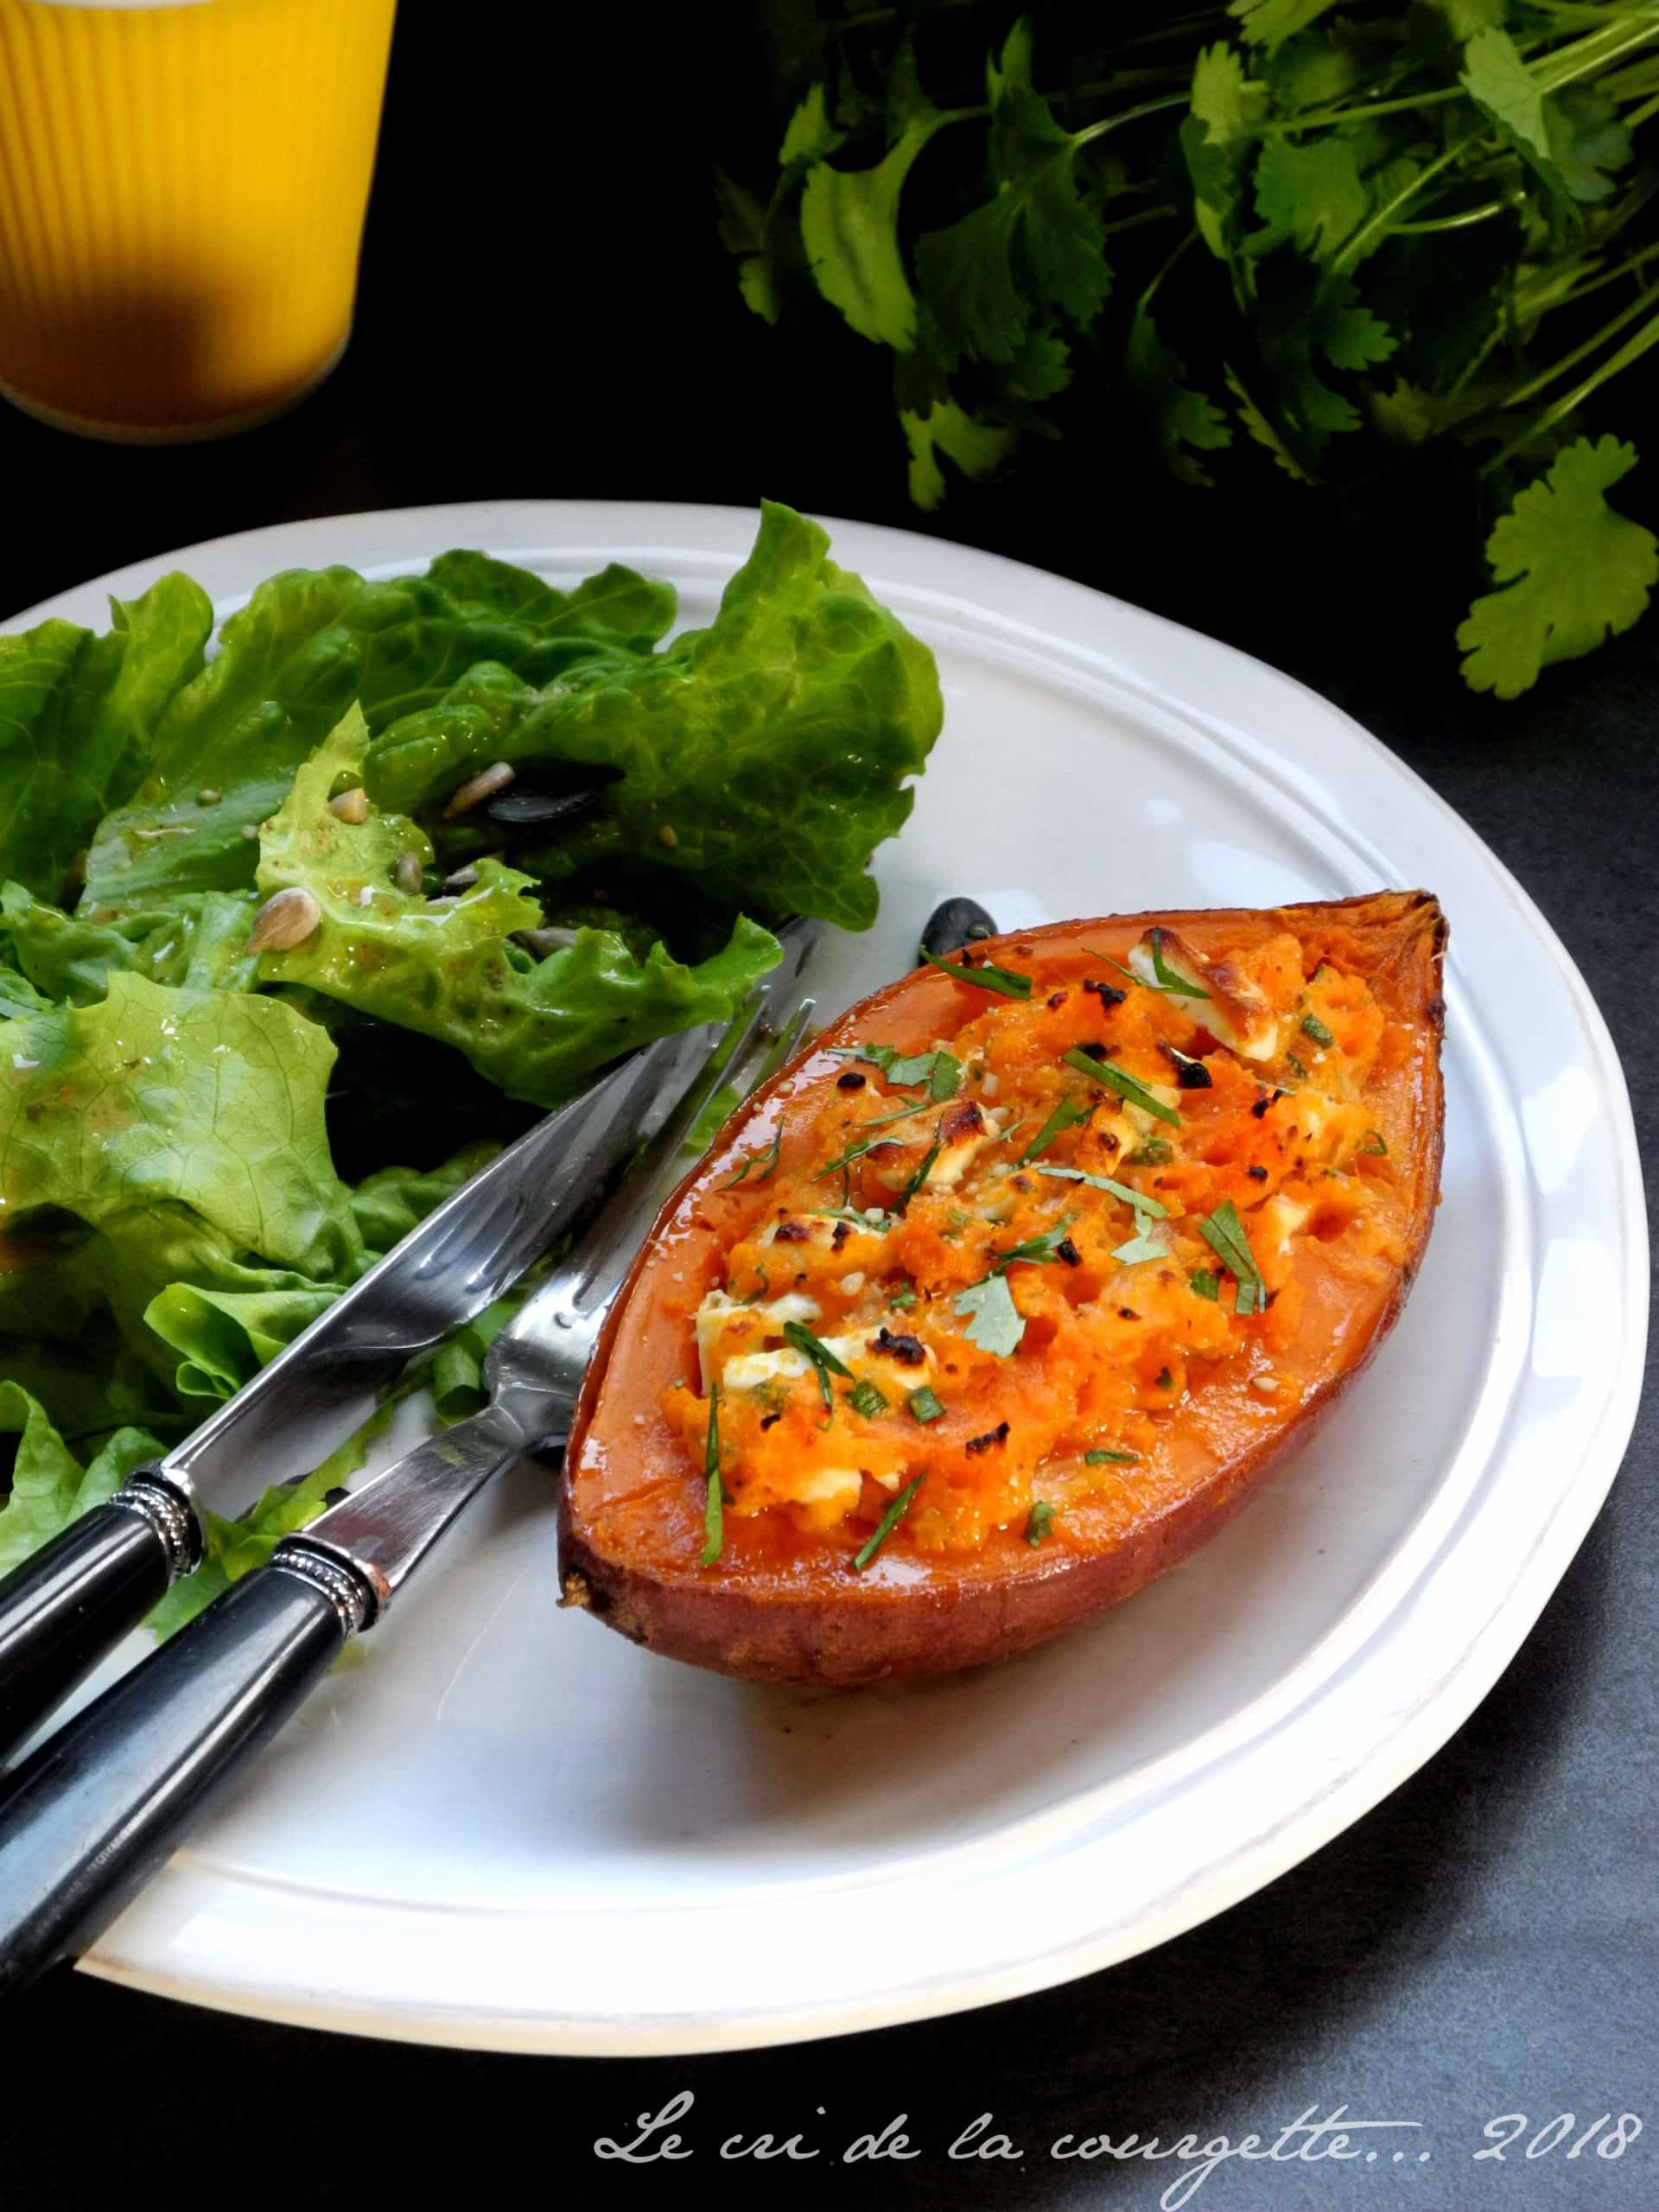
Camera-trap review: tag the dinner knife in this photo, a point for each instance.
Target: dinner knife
(64, 1607)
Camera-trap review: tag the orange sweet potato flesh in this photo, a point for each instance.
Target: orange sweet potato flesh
(780, 1605)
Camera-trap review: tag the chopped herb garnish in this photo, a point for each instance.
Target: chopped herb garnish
(985, 978)
(1138, 1199)
(1167, 978)
(803, 1341)
(1151, 1151)
(766, 1161)
(714, 1532)
(1375, 1145)
(1203, 1284)
(946, 1078)
(1314, 1027)
(1039, 1521)
(1223, 1232)
(889, 1521)
(1066, 1115)
(940, 1072)
(995, 1323)
(919, 1180)
(1165, 1380)
(924, 1406)
(871, 1218)
(903, 1299)
(1101, 1458)
(1141, 1246)
(867, 1400)
(857, 1149)
(1036, 1252)
(1124, 1085)
(1291, 1060)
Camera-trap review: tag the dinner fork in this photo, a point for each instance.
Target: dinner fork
(87, 1818)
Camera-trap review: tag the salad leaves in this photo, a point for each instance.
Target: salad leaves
(1343, 239)
(178, 1099)
(451, 968)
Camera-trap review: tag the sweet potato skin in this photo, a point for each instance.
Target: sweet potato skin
(630, 1536)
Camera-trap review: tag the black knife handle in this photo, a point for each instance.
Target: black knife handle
(66, 1604)
(89, 1815)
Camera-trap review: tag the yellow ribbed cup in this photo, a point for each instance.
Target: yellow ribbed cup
(182, 198)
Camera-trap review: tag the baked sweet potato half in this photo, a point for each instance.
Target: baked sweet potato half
(1007, 1293)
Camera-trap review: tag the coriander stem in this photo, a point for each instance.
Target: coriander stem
(1159, 214)
(1320, 119)
(1169, 262)
(1596, 284)
(1592, 52)
(1481, 214)
(1128, 115)
(1631, 350)
(1637, 307)
(1378, 219)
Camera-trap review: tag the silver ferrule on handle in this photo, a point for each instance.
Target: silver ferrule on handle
(168, 1510)
(362, 1551)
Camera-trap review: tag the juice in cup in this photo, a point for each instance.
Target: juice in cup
(182, 197)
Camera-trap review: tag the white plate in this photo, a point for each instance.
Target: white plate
(508, 1828)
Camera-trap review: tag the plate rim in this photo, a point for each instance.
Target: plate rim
(709, 533)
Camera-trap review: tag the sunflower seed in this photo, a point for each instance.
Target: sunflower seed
(463, 878)
(406, 873)
(542, 942)
(485, 784)
(286, 919)
(351, 806)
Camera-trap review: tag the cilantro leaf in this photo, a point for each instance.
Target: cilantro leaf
(1035, 244)
(1185, 422)
(1261, 431)
(1573, 572)
(995, 1323)
(1310, 192)
(1270, 22)
(1217, 144)
(810, 134)
(977, 448)
(1306, 317)
(849, 226)
(1587, 140)
(1508, 94)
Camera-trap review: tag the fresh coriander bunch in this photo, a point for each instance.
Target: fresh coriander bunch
(1342, 236)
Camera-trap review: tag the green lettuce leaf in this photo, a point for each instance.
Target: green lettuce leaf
(199, 944)
(758, 762)
(449, 969)
(291, 661)
(49, 1487)
(77, 712)
(160, 1135)
(228, 1323)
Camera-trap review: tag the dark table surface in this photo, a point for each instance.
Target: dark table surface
(544, 313)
